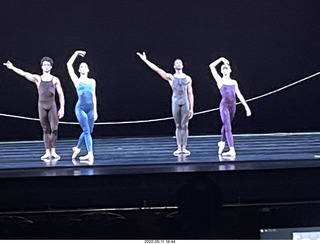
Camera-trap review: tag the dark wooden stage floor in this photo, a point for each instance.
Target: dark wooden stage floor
(154, 154)
(274, 177)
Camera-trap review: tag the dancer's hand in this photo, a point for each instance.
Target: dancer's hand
(8, 64)
(224, 60)
(143, 56)
(80, 53)
(190, 114)
(95, 116)
(60, 113)
(248, 112)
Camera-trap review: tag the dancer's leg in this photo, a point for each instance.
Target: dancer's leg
(184, 128)
(54, 123)
(176, 112)
(86, 134)
(81, 117)
(44, 121)
(88, 139)
(227, 116)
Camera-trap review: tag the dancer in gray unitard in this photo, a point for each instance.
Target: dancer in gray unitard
(228, 89)
(47, 84)
(182, 100)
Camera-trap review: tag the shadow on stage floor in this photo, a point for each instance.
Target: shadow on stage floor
(132, 190)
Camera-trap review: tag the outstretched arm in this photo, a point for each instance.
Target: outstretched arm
(214, 71)
(61, 97)
(30, 77)
(161, 72)
(71, 72)
(243, 101)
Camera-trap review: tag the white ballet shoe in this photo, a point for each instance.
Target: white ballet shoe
(76, 151)
(55, 156)
(177, 152)
(46, 156)
(186, 152)
(88, 157)
(221, 145)
(230, 153)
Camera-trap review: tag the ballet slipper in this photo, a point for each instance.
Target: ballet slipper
(46, 156)
(230, 153)
(56, 156)
(186, 152)
(177, 152)
(88, 157)
(221, 145)
(76, 151)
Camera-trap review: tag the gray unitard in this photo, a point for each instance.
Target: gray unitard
(48, 113)
(180, 109)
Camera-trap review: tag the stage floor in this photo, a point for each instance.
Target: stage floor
(272, 183)
(155, 155)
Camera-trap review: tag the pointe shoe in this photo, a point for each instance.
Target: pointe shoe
(56, 156)
(46, 156)
(221, 145)
(177, 152)
(88, 157)
(186, 152)
(230, 153)
(76, 151)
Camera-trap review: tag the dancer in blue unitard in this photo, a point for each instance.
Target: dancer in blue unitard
(228, 90)
(86, 107)
(182, 100)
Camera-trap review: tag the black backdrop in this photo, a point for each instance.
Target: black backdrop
(270, 44)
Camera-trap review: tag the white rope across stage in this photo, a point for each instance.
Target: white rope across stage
(169, 118)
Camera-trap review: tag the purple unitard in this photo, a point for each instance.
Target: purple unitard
(227, 111)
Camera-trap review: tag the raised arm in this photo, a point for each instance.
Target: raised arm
(243, 101)
(71, 72)
(168, 77)
(214, 71)
(30, 77)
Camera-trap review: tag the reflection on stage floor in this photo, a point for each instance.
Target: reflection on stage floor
(155, 154)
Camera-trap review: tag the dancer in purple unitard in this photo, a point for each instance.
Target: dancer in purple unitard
(228, 90)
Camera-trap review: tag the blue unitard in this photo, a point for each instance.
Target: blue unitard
(227, 111)
(84, 111)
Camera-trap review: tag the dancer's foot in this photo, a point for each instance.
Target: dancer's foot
(186, 152)
(221, 145)
(226, 158)
(88, 157)
(230, 153)
(55, 156)
(46, 155)
(177, 152)
(76, 151)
